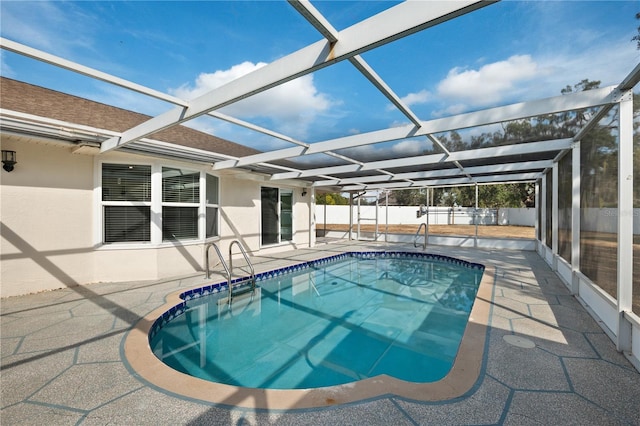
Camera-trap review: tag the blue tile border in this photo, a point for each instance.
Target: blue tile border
(219, 287)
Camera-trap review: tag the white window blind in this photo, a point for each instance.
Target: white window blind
(126, 196)
(180, 204)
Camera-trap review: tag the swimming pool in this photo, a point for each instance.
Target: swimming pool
(145, 366)
(324, 323)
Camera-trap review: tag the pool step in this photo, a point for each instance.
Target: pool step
(240, 292)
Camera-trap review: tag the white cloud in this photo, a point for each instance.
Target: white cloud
(608, 63)
(489, 84)
(420, 97)
(412, 146)
(451, 110)
(292, 106)
(416, 98)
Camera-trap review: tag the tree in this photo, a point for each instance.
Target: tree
(410, 197)
(332, 199)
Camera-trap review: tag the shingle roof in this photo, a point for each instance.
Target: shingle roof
(35, 100)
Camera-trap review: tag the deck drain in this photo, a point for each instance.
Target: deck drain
(519, 341)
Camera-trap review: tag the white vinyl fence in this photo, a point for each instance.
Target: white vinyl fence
(408, 215)
(592, 219)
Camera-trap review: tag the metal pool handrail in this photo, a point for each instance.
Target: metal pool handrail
(415, 240)
(246, 258)
(224, 264)
(229, 268)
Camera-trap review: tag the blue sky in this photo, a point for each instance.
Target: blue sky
(506, 52)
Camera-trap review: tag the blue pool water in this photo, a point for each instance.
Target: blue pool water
(326, 323)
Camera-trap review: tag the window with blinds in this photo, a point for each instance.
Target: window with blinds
(126, 196)
(122, 182)
(179, 186)
(180, 204)
(211, 206)
(179, 223)
(127, 223)
(128, 200)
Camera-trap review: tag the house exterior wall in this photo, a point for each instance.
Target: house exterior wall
(51, 226)
(240, 213)
(46, 214)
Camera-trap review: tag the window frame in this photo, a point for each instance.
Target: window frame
(156, 205)
(207, 205)
(182, 204)
(123, 203)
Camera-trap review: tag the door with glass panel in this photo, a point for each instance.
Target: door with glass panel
(277, 215)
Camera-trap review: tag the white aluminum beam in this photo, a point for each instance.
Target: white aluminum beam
(89, 72)
(361, 179)
(630, 80)
(382, 86)
(510, 178)
(585, 99)
(315, 18)
(495, 168)
(392, 24)
(498, 151)
(99, 75)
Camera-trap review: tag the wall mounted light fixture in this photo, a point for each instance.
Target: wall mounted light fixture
(304, 192)
(8, 159)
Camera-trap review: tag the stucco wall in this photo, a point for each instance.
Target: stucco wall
(46, 213)
(50, 223)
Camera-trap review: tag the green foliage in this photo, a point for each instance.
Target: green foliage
(332, 199)
(410, 197)
(489, 196)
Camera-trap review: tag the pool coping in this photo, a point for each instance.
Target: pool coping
(460, 379)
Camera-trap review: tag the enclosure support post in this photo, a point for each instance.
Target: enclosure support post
(312, 217)
(475, 219)
(625, 222)
(554, 214)
(575, 217)
(325, 218)
(543, 213)
(358, 214)
(538, 206)
(386, 216)
(375, 236)
(426, 231)
(350, 215)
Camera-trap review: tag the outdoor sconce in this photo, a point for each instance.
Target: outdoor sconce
(8, 160)
(304, 192)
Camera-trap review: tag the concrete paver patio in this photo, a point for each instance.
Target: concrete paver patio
(546, 360)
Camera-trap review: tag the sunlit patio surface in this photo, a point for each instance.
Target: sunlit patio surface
(545, 361)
